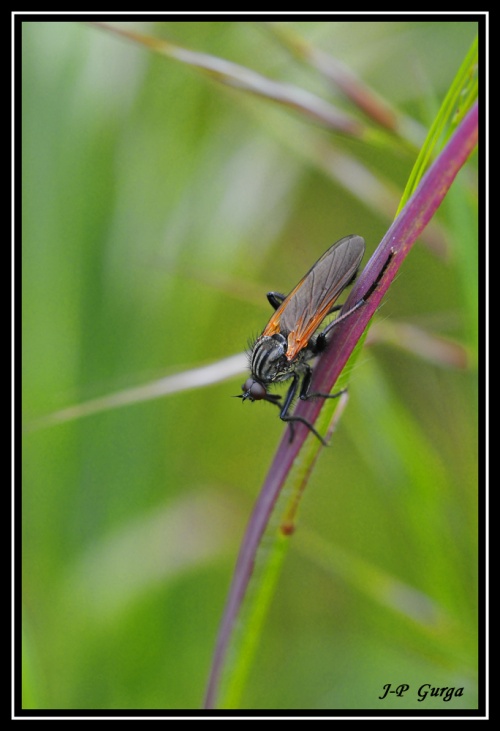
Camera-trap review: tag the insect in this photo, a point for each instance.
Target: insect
(289, 341)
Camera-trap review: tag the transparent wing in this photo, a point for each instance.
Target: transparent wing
(303, 311)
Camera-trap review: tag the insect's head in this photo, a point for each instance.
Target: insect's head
(268, 364)
(253, 390)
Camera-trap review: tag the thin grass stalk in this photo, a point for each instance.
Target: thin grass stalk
(393, 248)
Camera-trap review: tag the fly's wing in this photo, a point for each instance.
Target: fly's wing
(303, 311)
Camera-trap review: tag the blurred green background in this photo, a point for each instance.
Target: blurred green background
(158, 209)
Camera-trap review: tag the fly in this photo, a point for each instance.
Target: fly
(289, 341)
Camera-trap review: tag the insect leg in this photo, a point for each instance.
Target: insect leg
(321, 341)
(273, 398)
(275, 299)
(375, 284)
(288, 401)
(304, 390)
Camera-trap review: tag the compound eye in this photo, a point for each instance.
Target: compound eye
(254, 389)
(248, 384)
